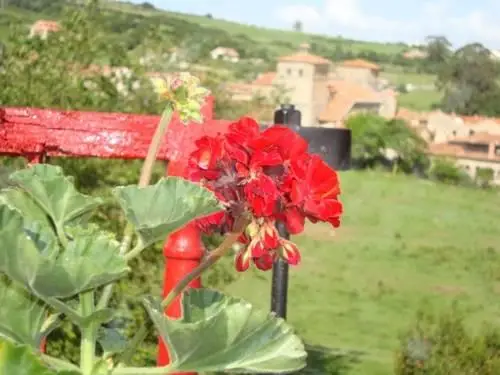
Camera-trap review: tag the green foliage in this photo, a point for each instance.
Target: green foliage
(444, 170)
(78, 258)
(216, 329)
(158, 210)
(17, 359)
(372, 135)
(484, 177)
(23, 318)
(469, 80)
(442, 345)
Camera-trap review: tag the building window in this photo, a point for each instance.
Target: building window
(289, 71)
(454, 133)
(471, 132)
(301, 73)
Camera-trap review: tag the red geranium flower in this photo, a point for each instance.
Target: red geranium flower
(271, 176)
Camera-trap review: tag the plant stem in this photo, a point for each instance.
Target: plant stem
(147, 168)
(212, 258)
(144, 179)
(58, 364)
(88, 339)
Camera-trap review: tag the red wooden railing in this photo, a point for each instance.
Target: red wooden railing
(37, 133)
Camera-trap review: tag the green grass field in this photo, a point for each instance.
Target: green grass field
(404, 244)
(420, 100)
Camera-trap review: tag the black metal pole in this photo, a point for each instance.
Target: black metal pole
(279, 286)
(286, 115)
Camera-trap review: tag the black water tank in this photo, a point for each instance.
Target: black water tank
(332, 144)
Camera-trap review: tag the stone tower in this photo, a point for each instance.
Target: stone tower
(305, 76)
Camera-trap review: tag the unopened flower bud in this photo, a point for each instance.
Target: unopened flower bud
(290, 252)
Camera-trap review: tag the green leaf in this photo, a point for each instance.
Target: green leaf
(22, 316)
(222, 333)
(36, 221)
(55, 194)
(89, 261)
(111, 340)
(20, 360)
(160, 209)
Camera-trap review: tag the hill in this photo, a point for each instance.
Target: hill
(404, 244)
(130, 22)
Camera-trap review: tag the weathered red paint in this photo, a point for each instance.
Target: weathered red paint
(30, 132)
(36, 133)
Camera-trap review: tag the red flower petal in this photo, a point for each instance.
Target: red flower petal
(261, 194)
(294, 220)
(242, 131)
(242, 261)
(265, 262)
(289, 143)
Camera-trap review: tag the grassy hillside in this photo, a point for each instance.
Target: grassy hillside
(276, 41)
(404, 244)
(131, 27)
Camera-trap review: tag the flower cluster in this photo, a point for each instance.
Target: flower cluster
(270, 175)
(184, 92)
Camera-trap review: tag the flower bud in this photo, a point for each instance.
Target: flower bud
(269, 236)
(290, 252)
(184, 93)
(257, 248)
(265, 262)
(242, 260)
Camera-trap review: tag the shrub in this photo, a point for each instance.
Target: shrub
(446, 171)
(442, 345)
(484, 177)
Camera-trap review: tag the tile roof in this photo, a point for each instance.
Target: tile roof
(345, 95)
(239, 88)
(482, 137)
(477, 120)
(304, 57)
(46, 25)
(265, 79)
(359, 63)
(457, 151)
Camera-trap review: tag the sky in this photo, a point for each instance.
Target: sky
(410, 21)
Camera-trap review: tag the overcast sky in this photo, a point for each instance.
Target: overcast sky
(462, 21)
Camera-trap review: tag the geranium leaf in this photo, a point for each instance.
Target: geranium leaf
(111, 340)
(160, 209)
(20, 360)
(36, 222)
(89, 261)
(222, 333)
(22, 316)
(55, 194)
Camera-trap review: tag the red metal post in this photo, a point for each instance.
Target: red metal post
(183, 252)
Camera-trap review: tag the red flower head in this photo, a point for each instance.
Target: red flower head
(270, 176)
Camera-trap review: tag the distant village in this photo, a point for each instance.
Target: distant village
(327, 93)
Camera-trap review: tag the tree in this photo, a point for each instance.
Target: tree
(297, 26)
(469, 82)
(438, 50)
(374, 138)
